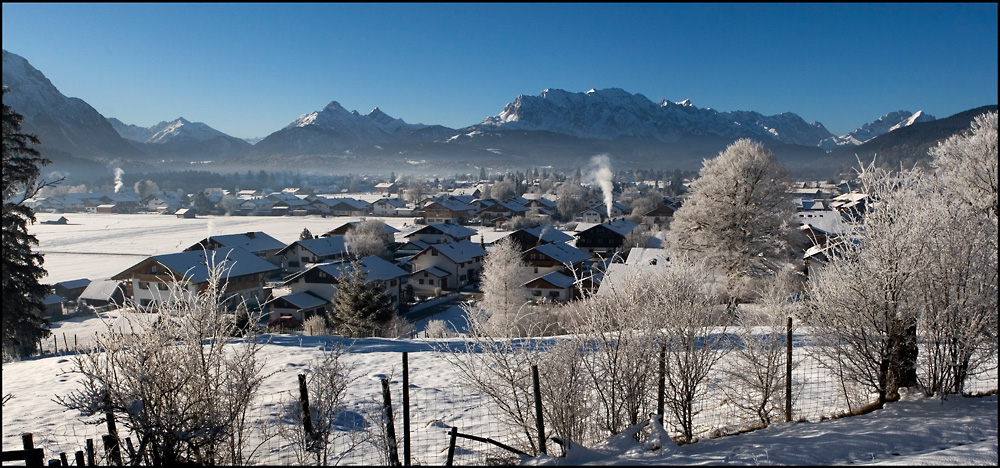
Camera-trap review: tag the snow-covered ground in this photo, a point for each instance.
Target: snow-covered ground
(915, 431)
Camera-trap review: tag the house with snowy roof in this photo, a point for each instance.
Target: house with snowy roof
(104, 294)
(602, 240)
(258, 243)
(447, 212)
(527, 238)
(554, 257)
(299, 254)
(553, 286)
(151, 281)
(388, 232)
(323, 279)
(441, 233)
(390, 207)
(455, 265)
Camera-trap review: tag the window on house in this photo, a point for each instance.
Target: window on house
(422, 280)
(161, 286)
(392, 283)
(434, 253)
(553, 293)
(536, 293)
(430, 282)
(143, 285)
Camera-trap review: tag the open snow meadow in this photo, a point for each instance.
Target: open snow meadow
(913, 431)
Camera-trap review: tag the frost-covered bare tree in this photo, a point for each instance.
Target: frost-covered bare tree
(957, 288)
(863, 306)
(737, 213)
(504, 295)
(570, 198)
(617, 355)
(691, 324)
(968, 163)
(176, 381)
(368, 238)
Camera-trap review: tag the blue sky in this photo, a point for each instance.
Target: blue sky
(250, 69)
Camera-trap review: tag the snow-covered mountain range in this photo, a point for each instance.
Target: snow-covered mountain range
(334, 128)
(613, 113)
(528, 129)
(181, 139)
(883, 125)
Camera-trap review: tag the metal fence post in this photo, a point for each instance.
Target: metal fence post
(788, 372)
(406, 409)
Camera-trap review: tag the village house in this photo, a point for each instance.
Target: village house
(299, 254)
(658, 218)
(558, 257)
(323, 279)
(603, 240)
(258, 243)
(389, 207)
(296, 306)
(553, 286)
(104, 294)
(150, 283)
(347, 206)
(71, 290)
(447, 212)
(494, 210)
(388, 188)
(461, 261)
(440, 234)
(527, 238)
(388, 232)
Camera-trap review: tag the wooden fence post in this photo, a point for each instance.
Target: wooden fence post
(91, 456)
(63, 459)
(406, 409)
(79, 458)
(111, 439)
(390, 425)
(788, 372)
(304, 400)
(539, 420)
(451, 445)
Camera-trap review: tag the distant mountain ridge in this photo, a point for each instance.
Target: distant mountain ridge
(613, 113)
(335, 129)
(556, 128)
(181, 139)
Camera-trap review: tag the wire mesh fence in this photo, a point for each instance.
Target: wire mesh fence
(425, 407)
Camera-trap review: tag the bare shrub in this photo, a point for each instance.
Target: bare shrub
(174, 379)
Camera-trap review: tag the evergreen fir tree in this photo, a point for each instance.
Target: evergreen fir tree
(24, 322)
(360, 307)
(305, 234)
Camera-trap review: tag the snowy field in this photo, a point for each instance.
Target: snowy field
(98, 246)
(916, 431)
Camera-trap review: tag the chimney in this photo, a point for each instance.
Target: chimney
(250, 235)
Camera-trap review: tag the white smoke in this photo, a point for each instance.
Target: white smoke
(600, 172)
(118, 178)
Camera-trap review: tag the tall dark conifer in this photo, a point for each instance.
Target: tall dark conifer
(360, 307)
(24, 321)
